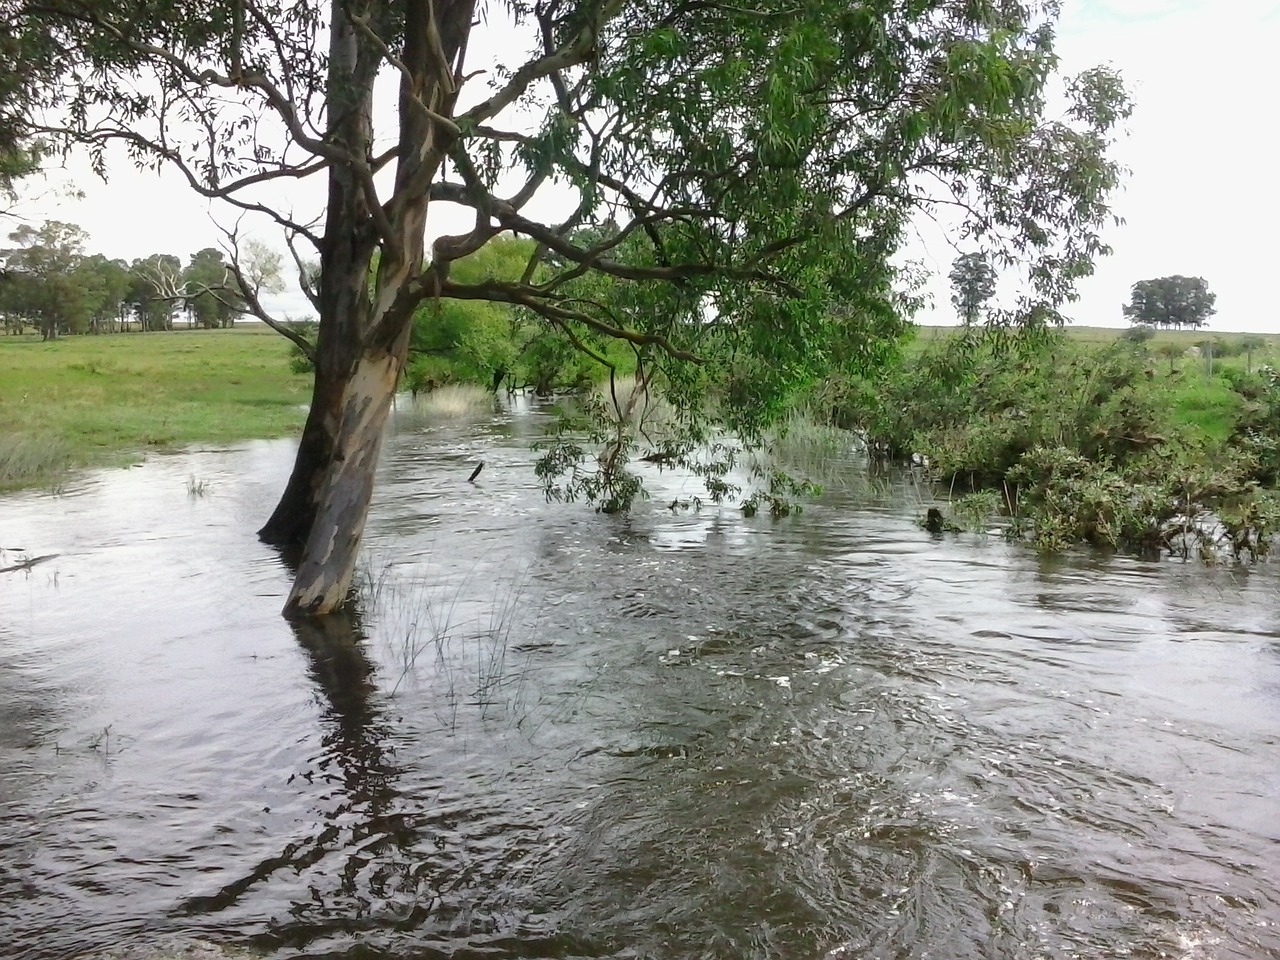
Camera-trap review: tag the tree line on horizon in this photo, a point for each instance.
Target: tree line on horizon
(49, 283)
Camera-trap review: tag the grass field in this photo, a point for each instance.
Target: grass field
(90, 400)
(1104, 335)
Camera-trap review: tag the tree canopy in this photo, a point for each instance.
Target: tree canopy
(973, 284)
(731, 182)
(1175, 301)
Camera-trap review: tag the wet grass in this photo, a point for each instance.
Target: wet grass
(455, 400)
(820, 453)
(32, 460)
(84, 401)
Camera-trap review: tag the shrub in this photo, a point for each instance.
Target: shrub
(1140, 333)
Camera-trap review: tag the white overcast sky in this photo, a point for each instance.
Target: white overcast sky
(1200, 198)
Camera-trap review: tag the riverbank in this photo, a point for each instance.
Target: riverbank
(1126, 446)
(95, 400)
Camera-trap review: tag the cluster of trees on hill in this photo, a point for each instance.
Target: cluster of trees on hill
(47, 281)
(1175, 301)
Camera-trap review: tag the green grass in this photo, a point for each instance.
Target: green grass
(90, 400)
(1209, 405)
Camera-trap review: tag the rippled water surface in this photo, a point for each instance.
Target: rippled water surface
(564, 734)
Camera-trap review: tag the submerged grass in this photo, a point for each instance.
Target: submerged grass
(89, 400)
(455, 400)
(818, 452)
(454, 639)
(32, 460)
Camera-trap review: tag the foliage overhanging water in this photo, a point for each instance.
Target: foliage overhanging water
(576, 735)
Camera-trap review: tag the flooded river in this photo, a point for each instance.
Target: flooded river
(565, 734)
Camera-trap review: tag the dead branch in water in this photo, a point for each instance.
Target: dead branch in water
(27, 564)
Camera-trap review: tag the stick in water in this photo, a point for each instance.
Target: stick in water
(476, 472)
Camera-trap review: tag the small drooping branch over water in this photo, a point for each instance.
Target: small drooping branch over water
(732, 183)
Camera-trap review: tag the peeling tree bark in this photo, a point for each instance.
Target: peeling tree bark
(329, 556)
(342, 295)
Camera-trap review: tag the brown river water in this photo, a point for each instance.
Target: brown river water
(555, 733)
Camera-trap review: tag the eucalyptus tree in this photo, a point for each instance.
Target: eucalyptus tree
(973, 284)
(211, 293)
(156, 290)
(745, 173)
(110, 280)
(48, 281)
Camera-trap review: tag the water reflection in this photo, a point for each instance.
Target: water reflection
(354, 779)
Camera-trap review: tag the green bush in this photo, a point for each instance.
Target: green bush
(1083, 444)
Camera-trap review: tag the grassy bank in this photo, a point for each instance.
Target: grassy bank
(1140, 446)
(1200, 386)
(83, 401)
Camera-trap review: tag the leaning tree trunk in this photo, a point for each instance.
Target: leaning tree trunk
(291, 521)
(364, 338)
(329, 556)
(342, 297)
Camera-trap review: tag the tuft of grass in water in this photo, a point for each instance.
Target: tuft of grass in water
(455, 400)
(455, 640)
(30, 460)
(196, 488)
(820, 453)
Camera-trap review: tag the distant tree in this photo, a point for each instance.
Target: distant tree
(109, 282)
(973, 284)
(212, 294)
(47, 281)
(1175, 301)
(156, 290)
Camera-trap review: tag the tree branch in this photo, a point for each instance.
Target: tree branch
(524, 296)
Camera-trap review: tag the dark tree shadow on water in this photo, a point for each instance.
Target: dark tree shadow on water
(319, 878)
